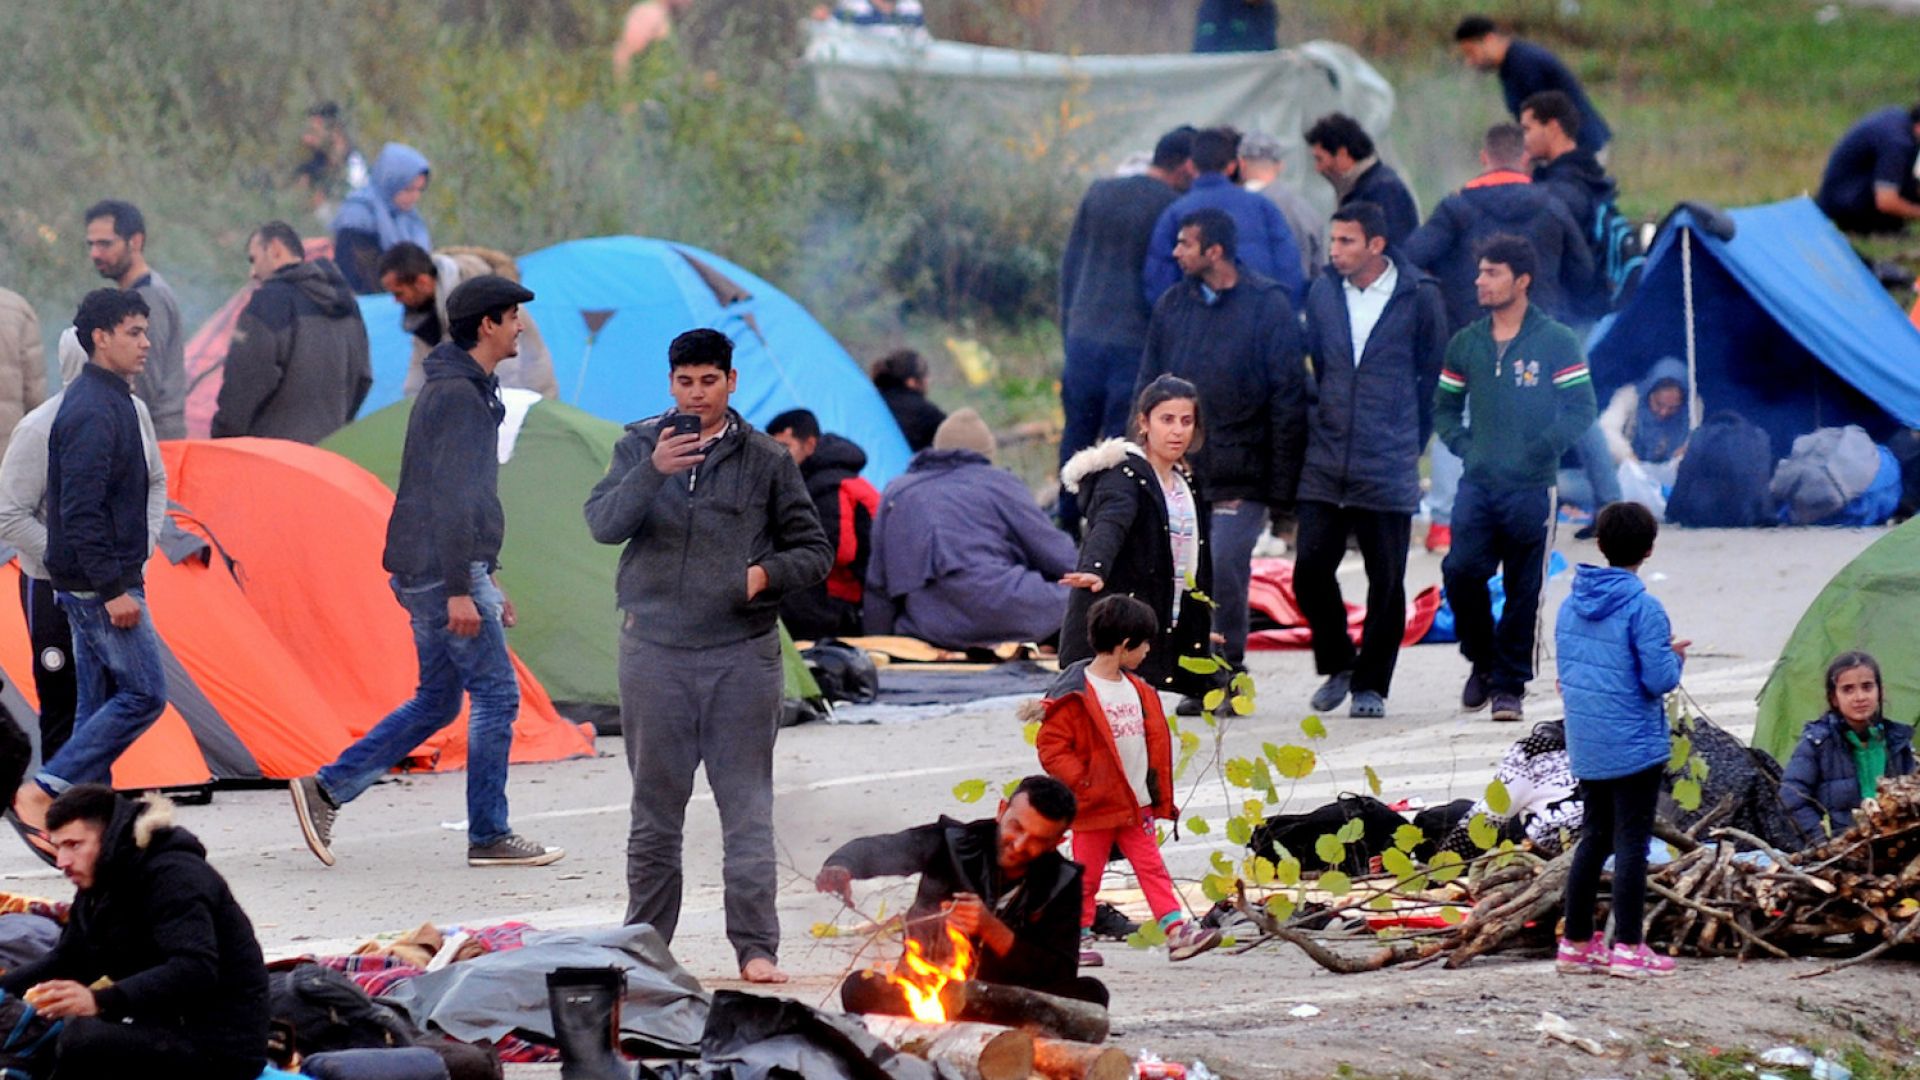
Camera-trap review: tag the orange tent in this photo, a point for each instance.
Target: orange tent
(286, 645)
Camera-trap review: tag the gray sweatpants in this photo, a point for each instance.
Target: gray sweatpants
(679, 708)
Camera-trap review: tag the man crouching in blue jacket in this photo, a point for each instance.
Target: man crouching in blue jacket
(1618, 661)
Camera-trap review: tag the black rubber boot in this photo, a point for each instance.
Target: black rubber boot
(585, 1003)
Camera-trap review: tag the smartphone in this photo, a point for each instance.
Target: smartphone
(683, 424)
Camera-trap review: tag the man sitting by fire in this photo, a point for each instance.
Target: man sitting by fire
(1000, 882)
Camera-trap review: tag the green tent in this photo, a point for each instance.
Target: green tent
(561, 581)
(1872, 604)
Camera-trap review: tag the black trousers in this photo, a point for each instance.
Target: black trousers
(91, 1048)
(53, 678)
(1510, 531)
(1321, 543)
(1618, 822)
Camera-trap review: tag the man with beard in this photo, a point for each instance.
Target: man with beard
(117, 244)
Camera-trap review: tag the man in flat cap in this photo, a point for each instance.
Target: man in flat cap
(443, 545)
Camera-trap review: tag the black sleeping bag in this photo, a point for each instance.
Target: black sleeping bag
(1724, 478)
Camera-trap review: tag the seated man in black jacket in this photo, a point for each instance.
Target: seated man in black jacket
(1000, 881)
(157, 973)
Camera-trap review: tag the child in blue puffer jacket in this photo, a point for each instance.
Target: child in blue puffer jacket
(1618, 660)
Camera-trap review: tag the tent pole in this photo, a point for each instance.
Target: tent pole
(1694, 411)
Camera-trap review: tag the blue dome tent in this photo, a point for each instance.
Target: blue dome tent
(607, 308)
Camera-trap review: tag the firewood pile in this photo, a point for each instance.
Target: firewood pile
(1728, 893)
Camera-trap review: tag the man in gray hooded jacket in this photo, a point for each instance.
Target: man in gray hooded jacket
(718, 528)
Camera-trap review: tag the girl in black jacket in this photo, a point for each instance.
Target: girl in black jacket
(1146, 535)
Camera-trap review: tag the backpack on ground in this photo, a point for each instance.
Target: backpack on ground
(1724, 481)
(1297, 833)
(318, 1009)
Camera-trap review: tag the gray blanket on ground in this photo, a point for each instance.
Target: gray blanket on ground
(492, 995)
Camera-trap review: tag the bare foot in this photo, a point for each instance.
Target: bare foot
(762, 970)
(30, 805)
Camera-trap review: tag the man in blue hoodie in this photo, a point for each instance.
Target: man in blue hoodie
(443, 546)
(1618, 661)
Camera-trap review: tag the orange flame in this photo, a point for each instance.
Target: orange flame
(921, 980)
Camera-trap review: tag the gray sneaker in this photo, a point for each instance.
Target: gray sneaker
(316, 813)
(1190, 939)
(513, 850)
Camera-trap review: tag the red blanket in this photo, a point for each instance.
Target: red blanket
(1271, 595)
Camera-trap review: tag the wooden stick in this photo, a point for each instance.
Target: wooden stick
(1033, 1011)
(976, 1051)
(1901, 938)
(1758, 941)
(1060, 1059)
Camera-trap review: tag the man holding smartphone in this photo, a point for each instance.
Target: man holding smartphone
(718, 527)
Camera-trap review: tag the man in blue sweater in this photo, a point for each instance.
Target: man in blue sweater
(1265, 240)
(97, 546)
(1526, 69)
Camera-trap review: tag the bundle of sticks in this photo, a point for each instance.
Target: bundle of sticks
(1726, 893)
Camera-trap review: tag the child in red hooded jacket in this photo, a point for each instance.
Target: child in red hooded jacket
(1105, 736)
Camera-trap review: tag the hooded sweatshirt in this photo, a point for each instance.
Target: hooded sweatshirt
(160, 925)
(298, 367)
(368, 223)
(1634, 432)
(1503, 201)
(846, 505)
(446, 509)
(23, 471)
(1616, 666)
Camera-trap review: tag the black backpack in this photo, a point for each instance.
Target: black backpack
(317, 1009)
(1297, 833)
(1724, 481)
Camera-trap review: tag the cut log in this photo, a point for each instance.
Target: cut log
(1030, 1010)
(976, 1051)
(1059, 1059)
(872, 992)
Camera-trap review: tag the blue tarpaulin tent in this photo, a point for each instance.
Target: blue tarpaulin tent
(639, 294)
(1790, 328)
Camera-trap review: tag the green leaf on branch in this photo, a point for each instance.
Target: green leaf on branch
(1373, 779)
(1147, 936)
(1239, 772)
(1213, 699)
(1452, 916)
(1352, 831)
(970, 790)
(1408, 837)
(1498, 800)
(1397, 863)
(1483, 832)
(1217, 887)
(824, 930)
(1254, 810)
(1263, 871)
(1262, 776)
(1336, 883)
(1682, 750)
(1383, 902)
(1445, 866)
(1241, 683)
(1199, 665)
(1686, 794)
(1287, 871)
(1280, 907)
(1238, 831)
(1294, 762)
(1242, 705)
(1313, 728)
(1329, 848)
(1007, 789)
(1698, 769)
(1198, 826)
(1031, 732)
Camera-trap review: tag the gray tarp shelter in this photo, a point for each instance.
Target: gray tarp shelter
(1106, 108)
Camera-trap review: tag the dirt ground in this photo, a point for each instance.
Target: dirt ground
(1737, 595)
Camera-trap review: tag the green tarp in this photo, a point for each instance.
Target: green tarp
(1872, 604)
(560, 580)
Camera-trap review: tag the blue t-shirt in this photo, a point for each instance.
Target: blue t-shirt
(1878, 150)
(1530, 69)
(1225, 26)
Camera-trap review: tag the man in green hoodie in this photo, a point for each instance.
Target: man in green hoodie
(1531, 398)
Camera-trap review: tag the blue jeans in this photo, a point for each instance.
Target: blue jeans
(122, 691)
(1096, 395)
(1443, 485)
(1597, 482)
(479, 665)
(1237, 525)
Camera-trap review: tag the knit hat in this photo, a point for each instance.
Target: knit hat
(965, 430)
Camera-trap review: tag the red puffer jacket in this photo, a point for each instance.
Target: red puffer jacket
(1077, 748)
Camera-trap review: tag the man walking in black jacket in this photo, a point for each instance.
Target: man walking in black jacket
(1377, 331)
(157, 973)
(718, 529)
(298, 367)
(1233, 334)
(443, 545)
(1344, 154)
(97, 546)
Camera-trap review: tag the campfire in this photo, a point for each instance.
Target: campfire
(920, 979)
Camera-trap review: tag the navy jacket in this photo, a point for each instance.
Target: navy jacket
(1530, 69)
(1366, 431)
(97, 488)
(1821, 783)
(1382, 187)
(446, 512)
(1241, 348)
(1617, 666)
(1265, 243)
(1101, 296)
(1504, 202)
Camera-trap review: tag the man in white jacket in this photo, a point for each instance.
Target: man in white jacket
(23, 489)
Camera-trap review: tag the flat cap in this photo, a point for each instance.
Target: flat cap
(488, 292)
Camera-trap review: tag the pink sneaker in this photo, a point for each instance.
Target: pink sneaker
(1582, 958)
(1639, 962)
